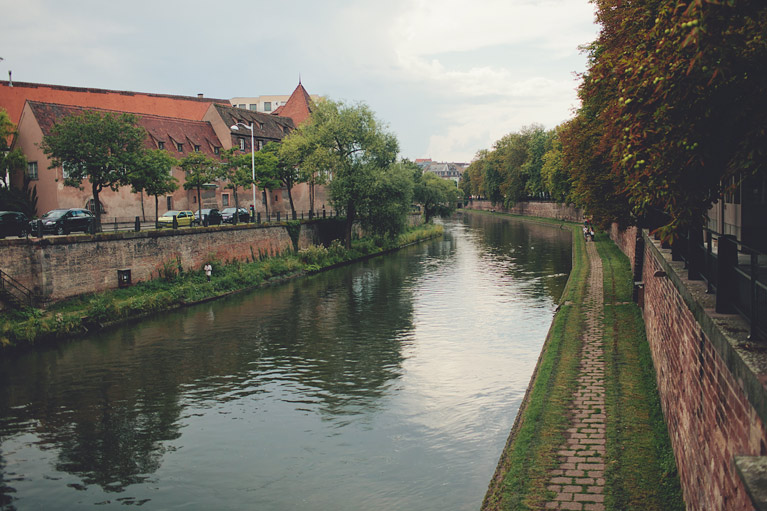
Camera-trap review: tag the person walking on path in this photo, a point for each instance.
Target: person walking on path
(578, 482)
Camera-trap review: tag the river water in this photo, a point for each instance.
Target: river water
(390, 384)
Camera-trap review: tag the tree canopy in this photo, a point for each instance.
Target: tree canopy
(353, 147)
(436, 196)
(153, 175)
(673, 107)
(100, 147)
(200, 170)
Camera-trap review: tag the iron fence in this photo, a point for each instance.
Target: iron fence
(732, 270)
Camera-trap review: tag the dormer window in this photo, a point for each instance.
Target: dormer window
(180, 147)
(160, 144)
(196, 148)
(215, 150)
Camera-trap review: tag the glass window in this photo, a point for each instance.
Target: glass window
(180, 147)
(253, 106)
(242, 144)
(215, 150)
(196, 148)
(224, 199)
(160, 144)
(267, 106)
(32, 170)
(169, 203)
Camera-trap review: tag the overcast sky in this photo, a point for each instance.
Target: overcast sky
(449, 77)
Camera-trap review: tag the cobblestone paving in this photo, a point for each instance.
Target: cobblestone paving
(578, 482)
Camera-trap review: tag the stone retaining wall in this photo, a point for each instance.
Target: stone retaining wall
(711, 379)
(60, 267)
(538, 208)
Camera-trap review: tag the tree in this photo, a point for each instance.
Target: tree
(676, 98)
(236, 169)
(153, 176)
(266, 174)
(384, 211)
(287, 170)
(437, 196)
(100, 147)
(9, 160)
(200, 170)
(554, 174)
(352, 147)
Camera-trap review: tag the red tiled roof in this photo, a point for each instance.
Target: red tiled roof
(12, 99)
(267, 126)
(163, 129)
(298, 106)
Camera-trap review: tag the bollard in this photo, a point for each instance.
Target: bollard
(295, 215)
(138, 224)
(323, 212)
(205, 222)
(278, 216)
(258, 218)
(175, 222)
(115, 224)
(39, 228)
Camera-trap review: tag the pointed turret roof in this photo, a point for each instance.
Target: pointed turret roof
(298, 106)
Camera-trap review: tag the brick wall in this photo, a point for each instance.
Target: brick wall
(540, 209)
(61, 267)
(709, 380)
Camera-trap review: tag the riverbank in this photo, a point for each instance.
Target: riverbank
(607, 447)
(176, 287)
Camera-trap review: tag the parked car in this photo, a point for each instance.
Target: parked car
(13, 223)
(64, 221)
(213, 215)
(227, 215)
(184, 218)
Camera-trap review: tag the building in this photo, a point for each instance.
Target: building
(265, 104)
(451, 171)
(177, 124)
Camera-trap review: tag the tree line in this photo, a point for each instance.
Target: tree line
(672, 117)
(344, 147)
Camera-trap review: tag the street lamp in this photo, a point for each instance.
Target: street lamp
(252, 160)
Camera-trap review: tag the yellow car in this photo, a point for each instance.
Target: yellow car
(184, 218)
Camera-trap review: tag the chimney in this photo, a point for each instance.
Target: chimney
(10, 80)
(199, 95)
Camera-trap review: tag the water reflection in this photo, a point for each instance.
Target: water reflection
(390, 383)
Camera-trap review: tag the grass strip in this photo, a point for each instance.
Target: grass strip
(641, 472)
(538, 432)
(176, 287)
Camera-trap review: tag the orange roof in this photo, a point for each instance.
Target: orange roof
(12, 99)
(298, 106)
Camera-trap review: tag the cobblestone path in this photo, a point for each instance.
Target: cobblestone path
(578, 482)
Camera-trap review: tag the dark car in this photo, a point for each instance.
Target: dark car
(64, 221)
(227, 215)
(13, 223)
(213, 215)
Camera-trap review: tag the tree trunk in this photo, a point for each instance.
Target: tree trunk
(156, 208)
(290, 198)
(311, 194)
(96, 206)
(199, 202)
(349, 223)
(266, 202)
(143, 213)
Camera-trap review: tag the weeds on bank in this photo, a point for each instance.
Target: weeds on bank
(523, 470)
(642, 472)
(174, 286)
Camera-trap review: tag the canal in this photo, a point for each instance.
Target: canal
(388, 384)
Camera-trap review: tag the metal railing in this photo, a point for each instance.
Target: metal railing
(732, 270)
(15, 290)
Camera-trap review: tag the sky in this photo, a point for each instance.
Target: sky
(447, 77)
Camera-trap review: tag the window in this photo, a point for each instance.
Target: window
(260, 144)
(240, 106)
(169, 203)
(180, 147)
(160, 144)
(194, 199)
(224, 199)
(253, 107)
(32, 170)
(267, 106)
(196, 148)
(215, 150)
(242, 144)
